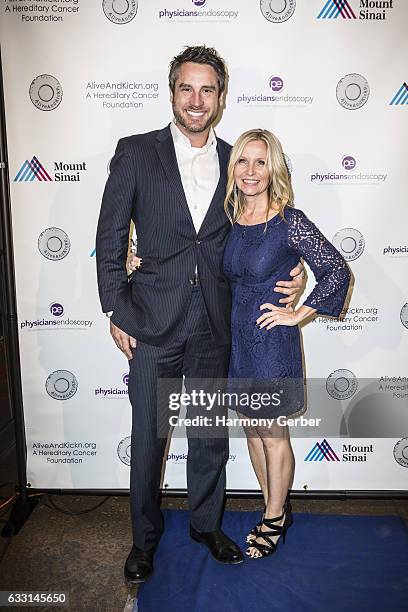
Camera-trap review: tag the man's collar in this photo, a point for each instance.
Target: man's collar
(180, 138)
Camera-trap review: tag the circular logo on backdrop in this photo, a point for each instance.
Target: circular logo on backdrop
(120, 11)
(341, 384)
(45, 92)
(352, 91)
(199, 2)
(401, 452)
(125, 379)
(348, 162)
(350, 242)
(54, 243)
(276, 83)
(404, 315)
(61, 385)
(278, 11)
(56, 309)
(124, 450)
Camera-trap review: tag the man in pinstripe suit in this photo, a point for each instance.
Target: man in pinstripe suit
(173, 317)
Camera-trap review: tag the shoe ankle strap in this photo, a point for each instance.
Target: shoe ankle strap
(275, 518)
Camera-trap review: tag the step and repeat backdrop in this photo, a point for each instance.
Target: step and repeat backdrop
(329, 78)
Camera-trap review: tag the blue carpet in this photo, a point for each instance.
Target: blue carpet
(328, 563)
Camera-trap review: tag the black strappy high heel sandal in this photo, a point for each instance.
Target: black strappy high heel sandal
(273, 530)
(253, 534)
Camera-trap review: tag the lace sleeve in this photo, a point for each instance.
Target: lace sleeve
(328, 266)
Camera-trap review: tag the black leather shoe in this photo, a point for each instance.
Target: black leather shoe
(222, 548)
(139, 565)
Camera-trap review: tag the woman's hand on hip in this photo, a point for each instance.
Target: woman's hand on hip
(277, 315)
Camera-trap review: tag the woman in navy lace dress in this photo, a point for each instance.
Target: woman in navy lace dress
(267, 238)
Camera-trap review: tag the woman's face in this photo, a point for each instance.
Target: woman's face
(251, 172)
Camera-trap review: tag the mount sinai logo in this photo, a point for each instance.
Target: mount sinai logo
(347, 9)
(33, 169)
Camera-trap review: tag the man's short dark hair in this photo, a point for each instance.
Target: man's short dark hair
(198, 55)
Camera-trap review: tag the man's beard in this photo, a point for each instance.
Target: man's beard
(194, 128)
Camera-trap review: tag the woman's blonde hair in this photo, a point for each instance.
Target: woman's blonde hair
(279, 189)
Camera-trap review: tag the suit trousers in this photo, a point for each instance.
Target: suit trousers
(194, 355)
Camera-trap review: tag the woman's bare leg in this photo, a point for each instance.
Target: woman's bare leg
(257, 456)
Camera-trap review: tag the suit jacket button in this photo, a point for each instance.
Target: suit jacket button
(198, 241)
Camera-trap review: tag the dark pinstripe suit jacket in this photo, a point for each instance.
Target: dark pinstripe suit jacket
(145, 185)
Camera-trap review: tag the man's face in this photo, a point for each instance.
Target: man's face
(196, 98)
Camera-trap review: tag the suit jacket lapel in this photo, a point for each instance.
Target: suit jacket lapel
(167, 155)
(219, 193)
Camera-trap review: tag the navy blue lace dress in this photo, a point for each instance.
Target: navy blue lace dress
(254, 260)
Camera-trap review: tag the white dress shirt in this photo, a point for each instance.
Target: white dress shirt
(199, 171)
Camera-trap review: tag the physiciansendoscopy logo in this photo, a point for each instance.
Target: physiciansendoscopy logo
(114, 392)
(338, 177)
(56, 322)
(404, 315)
(45, 92)
(274, 95)
(120, 11)
(352, 91)
(348, 162)
(124, 450)
(199, 10)
(276, 83)
(341, 384)
(350, 242)
(401, 452)
(54, 243)
(61, 385)
(56, 309)
(278, 11)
